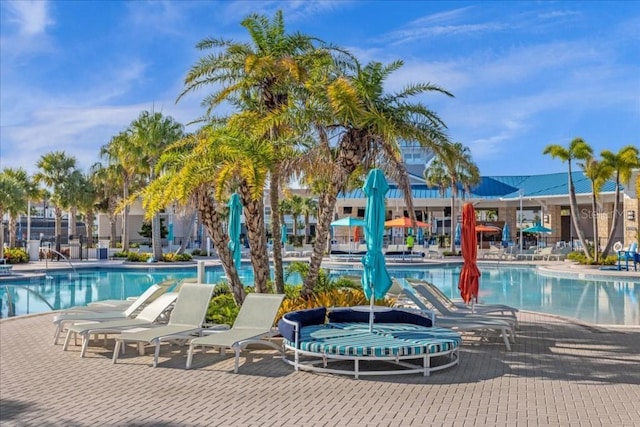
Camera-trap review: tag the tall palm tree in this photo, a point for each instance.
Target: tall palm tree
(123, 154)
(19, 206)
(108, 181)
(11, 196)
(208, 166)
(309, 208)
(259, 76)
(578, 150)
(151, 134)
(55, 171)
(370, 126)
(598, 172)
(88, 202)
(622, 163)
(452, 168)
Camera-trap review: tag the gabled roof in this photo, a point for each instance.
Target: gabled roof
(500, 187)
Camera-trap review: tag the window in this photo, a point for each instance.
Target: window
(347, 209)
(360, 212)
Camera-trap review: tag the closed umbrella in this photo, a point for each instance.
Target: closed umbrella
(458, 234)
(420, 236)
(470, 275)
(283, 234)
(375, 278)
(506, 233)
(235, 212)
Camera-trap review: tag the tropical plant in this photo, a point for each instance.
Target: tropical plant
(55, 171)
(622, 163)
(578, 149)
(598, 172)
(10, 195)
(151, 133)
(107, 181)
(258, 76)
(452, 168)
(309, 209)
(369, 125)
(18, 201)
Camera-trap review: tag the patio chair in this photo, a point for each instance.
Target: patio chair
(467, 323)
(148, 317)
(429, 291)
(102, 314)
(254, 322)
(120, 304)
(186, 319)
(626, 255)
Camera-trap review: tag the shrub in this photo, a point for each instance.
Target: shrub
(121, 254)
(171, 257)
(16, 256)
(136, 257)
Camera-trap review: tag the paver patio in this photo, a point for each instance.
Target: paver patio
(559, 373)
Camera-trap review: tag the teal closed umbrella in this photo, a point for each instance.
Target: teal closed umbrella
(235, 212)
(375, 278)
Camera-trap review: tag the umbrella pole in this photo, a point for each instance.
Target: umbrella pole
(371, 311)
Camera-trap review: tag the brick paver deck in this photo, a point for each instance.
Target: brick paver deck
(559, 374)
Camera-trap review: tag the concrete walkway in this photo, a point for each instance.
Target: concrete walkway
(559, 373)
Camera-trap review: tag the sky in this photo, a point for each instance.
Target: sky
(524, 74)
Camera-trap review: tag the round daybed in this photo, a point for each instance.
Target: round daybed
(405, 339)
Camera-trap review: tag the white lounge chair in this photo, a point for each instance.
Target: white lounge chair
(254, 322)
(449, 307)
(186, 319)
(148, 317)
(101, 315)
(121, 304)
(470, 323)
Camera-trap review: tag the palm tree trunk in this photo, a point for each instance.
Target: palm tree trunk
(326, 206)
(274, 197)
(125, 219)
(594, 217)
(254, 216)
(58, 229)
(615, 221)
(13, 227)
(112, 225)
(1, 234)
(88, 225)
(573, 204)
(72, 229)
(212, 221)
(156, 237)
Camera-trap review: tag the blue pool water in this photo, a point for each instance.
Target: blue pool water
(604, 301)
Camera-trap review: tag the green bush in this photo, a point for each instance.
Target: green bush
(136, 257)
(171, 257)
(121, 254)
(16, 256)
(580, 258)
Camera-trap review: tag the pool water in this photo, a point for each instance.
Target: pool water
(607, 301)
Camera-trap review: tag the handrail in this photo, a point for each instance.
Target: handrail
(46, 259)
(26, 288)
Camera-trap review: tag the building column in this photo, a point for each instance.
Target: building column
(553, 215)
(509, 216)
(631, 220)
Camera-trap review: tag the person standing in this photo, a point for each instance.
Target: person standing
(410, 242)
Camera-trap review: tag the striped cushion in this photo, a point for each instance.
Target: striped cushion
(387, 339)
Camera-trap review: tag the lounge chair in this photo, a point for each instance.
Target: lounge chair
(101, 315)
(148, 317)
(122, 304)
(254, 322)
(626, 255)
(186, 319)
(448, 307)
(469, 323)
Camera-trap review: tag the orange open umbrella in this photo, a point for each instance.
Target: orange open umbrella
(404, 222)
(469, 281)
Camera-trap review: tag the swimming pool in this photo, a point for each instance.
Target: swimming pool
(606, 301)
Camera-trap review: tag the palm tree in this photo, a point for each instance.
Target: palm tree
(598, 172)
(124, 156)
(20, 206)
(108, 180)
(622, 163)
(309, 208)
(258, 76)
(453, 168)
(207, 167)
(11, 197)
(151, 134)
(578, 150)
(88, 201)
(370, 125)
(56, 169)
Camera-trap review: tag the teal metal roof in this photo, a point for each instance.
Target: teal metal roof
(503, 187)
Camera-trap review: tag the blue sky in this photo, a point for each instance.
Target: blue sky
(524, 74)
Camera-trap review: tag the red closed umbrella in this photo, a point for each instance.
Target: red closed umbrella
(470, 275)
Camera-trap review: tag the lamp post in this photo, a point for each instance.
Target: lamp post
(520, 194)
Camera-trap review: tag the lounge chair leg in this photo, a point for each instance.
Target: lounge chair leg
(189, 356)
(505, 337)
(116, 349)
(66, 341)
(85, 344)
(237, 361)
(156, 354)
(140, 349)
(56, 334)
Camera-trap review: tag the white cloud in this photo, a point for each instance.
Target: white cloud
(30, 16)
